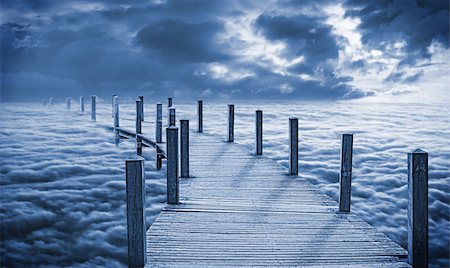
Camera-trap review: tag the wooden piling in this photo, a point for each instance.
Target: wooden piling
(158, 132)
(94, 108)
(158, 158)
(184, 148)
(172, 165)
(81, 104)
(116, 111)
(112, 106)
(141, 98)
(200, 115)
(169, 105)
(293, 146)
(418, 208)
(138, 127)
(68, 103)
(345, 179)
(136, 226)
(230, 123)
(259, 132)
(172, 117)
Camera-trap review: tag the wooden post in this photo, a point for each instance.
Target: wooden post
(293, 147)
(259, 132)
(81, 104)
(169, 104)
(158, 131)
(112, 105)
(184, 148)
(171, 117)
(158, 158)
(172, 165)
(116, 110)
(51, 101)
(200, 115)
(94, 108)
(138, 127)
(136, 226)
(141, 98)
(418, 208)
(345, 179)
(230, 123)
(68, 103)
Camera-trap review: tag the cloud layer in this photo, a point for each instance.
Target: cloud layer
(234, 49)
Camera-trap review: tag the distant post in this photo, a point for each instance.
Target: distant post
(172, 165)
(184, 145)
(94, 108)
(293, 146)
(259, 132)
(116, 111)
(68, 103)
(81, 104)
(51, 101)
(141, 98)
(169, 104)
(230, 123)
(138, 127)
(345, 179)
(418, 208)
(171, 117)
(136, 226)
(158, 131)
(200, 115)
(112, 105)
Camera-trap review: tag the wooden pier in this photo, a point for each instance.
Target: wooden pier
(234, 207)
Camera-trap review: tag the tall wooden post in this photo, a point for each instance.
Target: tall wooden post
(172, 117)
(94, 108)
(141, 98)
(418, 208)
(158, 131)
(230, 123)
(200, 115)
(345, 179)
(116, 110)
(259, 132)
(136, 226)
(169, 105)
(184, 148)
(138, 127)
(68, 103)
(81, 104)
(293, 146)
(172, 165)
(112, 105)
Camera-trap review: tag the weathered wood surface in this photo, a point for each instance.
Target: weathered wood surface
(238, 210)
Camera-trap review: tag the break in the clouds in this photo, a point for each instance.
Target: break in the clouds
(224, 49)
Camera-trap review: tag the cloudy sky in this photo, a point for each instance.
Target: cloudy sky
(285, 49)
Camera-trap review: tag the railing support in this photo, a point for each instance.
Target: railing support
(172, 165)
(158, 158)
(230, 123)
(116, 111)
(172, 117)
(141, 98)
(184, 148)
(81, 104)
(345, 179)
(136, 226)
(200, 115)
(293, 146)
(259, 132)
(418, 208)
(158, 132)
(94, 108)
(138, 126)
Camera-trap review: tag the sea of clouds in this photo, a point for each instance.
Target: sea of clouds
(62, 200)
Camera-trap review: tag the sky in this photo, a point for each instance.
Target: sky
(269, 50)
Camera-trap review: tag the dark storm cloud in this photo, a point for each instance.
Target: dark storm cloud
(419, 23)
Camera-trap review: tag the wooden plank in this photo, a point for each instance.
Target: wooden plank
(238, 210)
